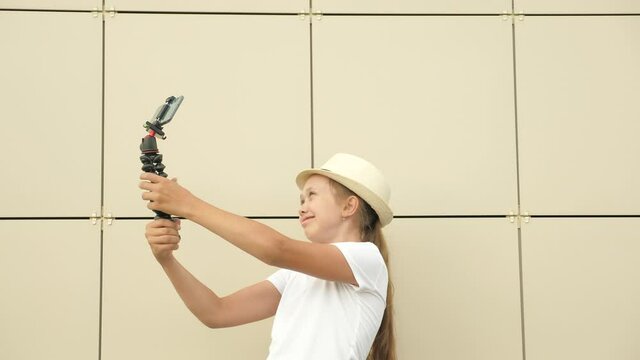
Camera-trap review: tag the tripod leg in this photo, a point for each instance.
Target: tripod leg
(152, 162)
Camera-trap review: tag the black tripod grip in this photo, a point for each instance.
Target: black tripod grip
(161, 215)
(152, 163)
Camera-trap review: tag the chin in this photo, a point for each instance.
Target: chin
(311, 232)
(310, 236)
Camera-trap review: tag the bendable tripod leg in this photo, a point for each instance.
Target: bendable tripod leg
(152, 162)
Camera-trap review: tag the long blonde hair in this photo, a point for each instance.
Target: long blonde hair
(384, 344)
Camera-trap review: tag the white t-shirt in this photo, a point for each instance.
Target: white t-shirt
(320, 319)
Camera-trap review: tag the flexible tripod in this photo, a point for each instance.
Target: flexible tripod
(151, 159)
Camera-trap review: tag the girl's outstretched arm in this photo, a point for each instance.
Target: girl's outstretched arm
(268, 245)
(273, 248)
(253, 303)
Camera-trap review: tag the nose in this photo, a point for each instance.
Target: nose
(302, 210)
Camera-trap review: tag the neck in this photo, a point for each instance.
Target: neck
(348, 231)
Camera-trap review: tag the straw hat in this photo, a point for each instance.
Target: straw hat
(359, 176)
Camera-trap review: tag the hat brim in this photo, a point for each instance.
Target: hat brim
(377, 204)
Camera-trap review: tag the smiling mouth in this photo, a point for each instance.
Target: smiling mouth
(305, 219)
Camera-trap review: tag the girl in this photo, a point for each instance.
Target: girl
(332, 298)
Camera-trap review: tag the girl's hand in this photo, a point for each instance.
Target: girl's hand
(163, 237)
(166, 195)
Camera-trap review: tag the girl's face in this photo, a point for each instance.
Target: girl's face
(320, 212)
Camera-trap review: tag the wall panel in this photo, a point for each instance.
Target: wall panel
(429, 100)
(50, 276)
(578, 85)
(50, 71)
(456, 288)
(235, 141)
(581, 288)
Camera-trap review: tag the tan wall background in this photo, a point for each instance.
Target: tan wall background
(508, 131)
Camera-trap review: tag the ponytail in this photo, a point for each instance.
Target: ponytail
(384, 344)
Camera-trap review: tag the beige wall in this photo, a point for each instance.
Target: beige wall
(473, 114)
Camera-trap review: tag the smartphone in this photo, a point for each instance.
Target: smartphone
(165, 112)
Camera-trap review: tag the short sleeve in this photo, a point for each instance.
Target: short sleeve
(279, 279)
(367, 265)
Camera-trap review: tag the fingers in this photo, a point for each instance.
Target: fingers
(161, 223)
(163, 237)
(157, 190)
(151, 181)
(175, 223)
(151, 196)
(154, 178)
(158, 247)
(163, 227)
(146, 185)
(163, 231)
(165, 195)
(158, 231)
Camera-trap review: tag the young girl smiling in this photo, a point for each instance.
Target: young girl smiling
(332, 298)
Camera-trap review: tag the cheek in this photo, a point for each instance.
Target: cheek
(332, 215)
